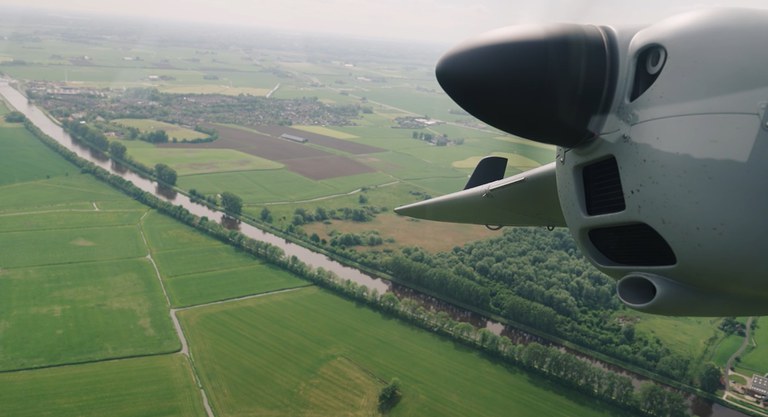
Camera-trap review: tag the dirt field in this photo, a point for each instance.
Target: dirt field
(304, 160)
(430, 236)
(322, 140)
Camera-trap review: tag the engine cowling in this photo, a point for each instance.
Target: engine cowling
(662, 136)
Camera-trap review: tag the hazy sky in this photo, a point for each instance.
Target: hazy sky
(447, 21)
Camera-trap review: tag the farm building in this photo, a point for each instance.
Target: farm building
(298, 139)
(758, 386)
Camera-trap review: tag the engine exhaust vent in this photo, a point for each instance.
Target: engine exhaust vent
(633, 245)
(602, 188)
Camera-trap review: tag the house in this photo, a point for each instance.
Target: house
(294, 138)
(758, 386)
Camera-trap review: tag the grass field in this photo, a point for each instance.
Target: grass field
(23, 157)
(198, 161)
(74, 283)
(428, 235)
(326, 131)
(81, 312)
(88, 218)
(58, 193)
(689, 337)
(308, 353)
(173, 131)
(756, 358)
(160, 386)
(68, 246)
(725, 348)
(197, 269)
(256, 187)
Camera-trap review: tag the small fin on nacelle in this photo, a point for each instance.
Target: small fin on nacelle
(489, 169)
(526, 199)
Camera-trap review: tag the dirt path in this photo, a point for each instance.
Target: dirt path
(174, 319)
(744, 344)
(328, 197)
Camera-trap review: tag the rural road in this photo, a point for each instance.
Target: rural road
(748, 332)
(174, 319)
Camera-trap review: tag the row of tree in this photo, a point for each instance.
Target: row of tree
(93, 137)
(84, 133)
(365, 213)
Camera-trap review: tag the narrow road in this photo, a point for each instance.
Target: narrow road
(744, 344)
(174, 319)
(328, 197)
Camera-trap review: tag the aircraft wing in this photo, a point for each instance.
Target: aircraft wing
(526, 199)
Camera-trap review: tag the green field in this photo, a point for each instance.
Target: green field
(160, 386)
(310, 353)
(198, 161)
(277, 186)
(173, 131)
(695, 338)
(21, 161)
(727, 347)
(326, 131)
(755, 358)
(197, 269)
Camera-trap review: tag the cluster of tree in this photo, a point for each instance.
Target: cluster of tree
(389, 395)
(213, 135)
(117, 150)
(83, 132)
(539, 279)
(366, 213)
(200, 198)
(133, 133)
(730, 325)
(421, 194)
(92, 136)
(369, 238)
(439, 140)
(15, 117)
(165, 174)
(232, 203)
(156, 136)
(443, 281)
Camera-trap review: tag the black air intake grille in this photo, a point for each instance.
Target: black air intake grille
(602, 188)
(633, 245)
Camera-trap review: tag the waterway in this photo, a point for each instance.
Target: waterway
(17, 100)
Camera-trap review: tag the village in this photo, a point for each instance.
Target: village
(66, 101)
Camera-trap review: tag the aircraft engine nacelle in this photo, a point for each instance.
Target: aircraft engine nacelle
(662, 151)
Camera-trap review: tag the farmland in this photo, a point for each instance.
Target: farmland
(74, 294)
(156, 386)
(755, 358)
(310, 162)
(174, 131)
(266, 358)
(198, 270)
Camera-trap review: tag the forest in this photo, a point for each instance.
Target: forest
(538, 278)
